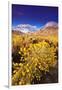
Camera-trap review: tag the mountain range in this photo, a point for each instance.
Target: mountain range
(50, 28)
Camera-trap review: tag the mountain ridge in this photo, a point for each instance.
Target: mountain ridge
(50, 28)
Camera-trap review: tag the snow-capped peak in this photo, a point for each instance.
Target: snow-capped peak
(51, 24)
(25, 28)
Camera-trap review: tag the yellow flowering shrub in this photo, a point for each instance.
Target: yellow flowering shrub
(34, 59)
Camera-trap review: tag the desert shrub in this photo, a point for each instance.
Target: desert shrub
(38, 58)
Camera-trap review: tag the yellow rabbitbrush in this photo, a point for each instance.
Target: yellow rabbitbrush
(38, 57)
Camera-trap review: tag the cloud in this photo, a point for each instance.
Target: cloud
(20, 13)
(25, 28)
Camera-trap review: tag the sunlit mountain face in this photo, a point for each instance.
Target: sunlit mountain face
(29, 18)
(51, 24)
(25, 28)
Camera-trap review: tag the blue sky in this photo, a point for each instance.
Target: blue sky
(33, 15)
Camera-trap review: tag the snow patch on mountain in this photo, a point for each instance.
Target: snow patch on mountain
(25, 28)
(51, 24)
